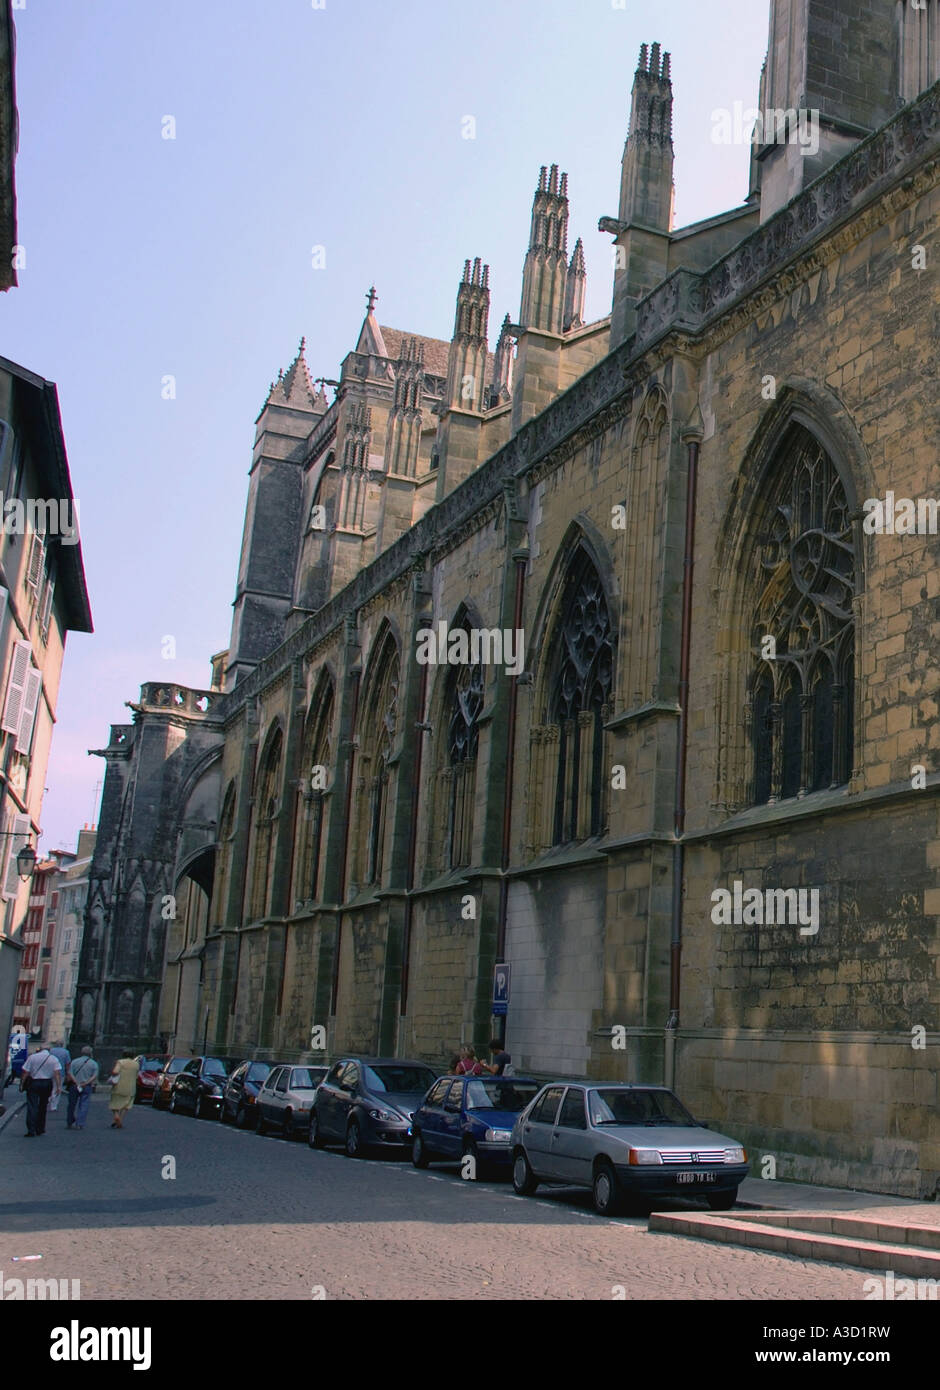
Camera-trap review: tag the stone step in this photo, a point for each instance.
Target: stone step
(838, 1224)
(898, 1253)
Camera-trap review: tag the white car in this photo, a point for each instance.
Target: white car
(286, 1099)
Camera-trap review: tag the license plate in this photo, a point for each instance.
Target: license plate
(695, 1177)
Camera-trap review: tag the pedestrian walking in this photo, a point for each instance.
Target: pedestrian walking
(82, 1075)
(123, 1082)
(42, 1077)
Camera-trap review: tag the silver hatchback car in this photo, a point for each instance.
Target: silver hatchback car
(622, 1140)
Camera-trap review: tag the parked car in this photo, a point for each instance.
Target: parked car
(473, 1115)
(197, 1089)
(285, 1100)
(240, 1094)
(171, 1069)
(147, 1078)
(623, 1140)
(368, 1102)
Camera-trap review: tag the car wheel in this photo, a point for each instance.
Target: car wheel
(524, 1180)
(606, 1190)
(288, 1124)
(223, 1113)
(173, 1109)
(354, 1145)
(197, 1108)
(721, 1201)
(262, 1126)
(419, 1154)
(314, 1137)
(241, 1118)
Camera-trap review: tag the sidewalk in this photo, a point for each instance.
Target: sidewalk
(14, 1102)
(797, 1196)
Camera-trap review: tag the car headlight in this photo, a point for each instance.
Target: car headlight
(643, 1156)
(498, 1136)
(737, 1155)
(387, 1115)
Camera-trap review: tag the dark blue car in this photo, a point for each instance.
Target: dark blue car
(470, 1115)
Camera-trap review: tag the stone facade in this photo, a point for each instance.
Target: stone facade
(388, 830)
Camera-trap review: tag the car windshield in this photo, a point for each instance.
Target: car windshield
(306, 1078)
(151, 1063)
(500, 1095)
(213, 1067)
(637, 1107)
(177, 1064)
(391, 1078)
(258, 1071)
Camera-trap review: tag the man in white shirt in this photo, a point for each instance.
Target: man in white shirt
(41, 1075)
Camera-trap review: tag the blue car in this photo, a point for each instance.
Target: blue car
(470, 1115)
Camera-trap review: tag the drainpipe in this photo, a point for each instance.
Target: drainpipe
(520, 559)
(692, 438)
(420, 729)
(347, 813)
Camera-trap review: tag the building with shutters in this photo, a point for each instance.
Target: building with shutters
(337, 841)
(42, 597)
(65, 922)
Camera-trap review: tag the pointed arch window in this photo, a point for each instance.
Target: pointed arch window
(579, 692)
(464, 701)
(801, 689)
(313, 795)
(378, 726)
(266, 816)
(224, 857)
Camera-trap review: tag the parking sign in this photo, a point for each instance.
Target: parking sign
(501, 978)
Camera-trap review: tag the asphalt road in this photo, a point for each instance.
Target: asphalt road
(252, 1218)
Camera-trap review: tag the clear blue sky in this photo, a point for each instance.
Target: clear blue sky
(295, 127)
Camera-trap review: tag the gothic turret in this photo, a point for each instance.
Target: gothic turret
(575, 289)
(641, 229)
(272, 532)
(466, 362)
(546, 263)
(501, 383)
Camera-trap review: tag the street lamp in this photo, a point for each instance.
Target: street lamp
(26, 862)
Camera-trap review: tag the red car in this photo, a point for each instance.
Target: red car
(150, 1069)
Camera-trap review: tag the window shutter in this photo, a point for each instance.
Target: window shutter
(46, 611)
(16, 687)
(16, 842)
(30, 701)
(34, 566)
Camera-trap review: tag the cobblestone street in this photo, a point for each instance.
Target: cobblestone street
(252, 1218)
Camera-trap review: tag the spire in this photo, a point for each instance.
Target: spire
(646, 179)
(575, 288)
(294, 387)
(501, 382)
(466, 360)
(296, 384)
(371, 342)
(545, 269)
